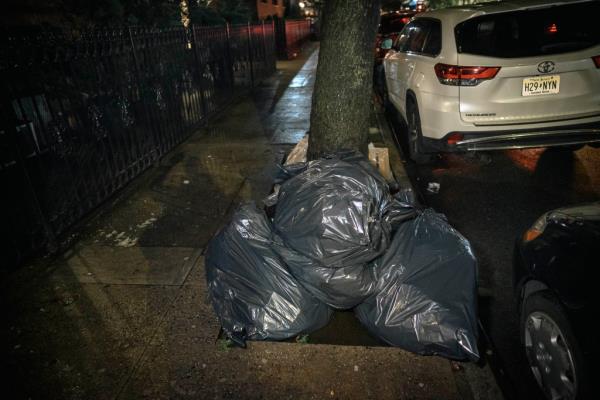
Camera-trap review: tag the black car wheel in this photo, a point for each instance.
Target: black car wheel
(551, 348)
(414, 134)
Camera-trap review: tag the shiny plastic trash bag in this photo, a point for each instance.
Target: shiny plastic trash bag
(341, 288)
(332, 212)
(425, 300)
(348, 202)
(251, 289)
(347, 286)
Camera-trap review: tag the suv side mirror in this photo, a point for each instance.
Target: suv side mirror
(386, 44)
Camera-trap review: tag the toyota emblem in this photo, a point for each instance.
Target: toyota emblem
(546, 66)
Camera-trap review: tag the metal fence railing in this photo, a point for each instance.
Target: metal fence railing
(83, 114)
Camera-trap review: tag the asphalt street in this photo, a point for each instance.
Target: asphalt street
(492, 198)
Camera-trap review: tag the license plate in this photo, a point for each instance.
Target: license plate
(539, 85)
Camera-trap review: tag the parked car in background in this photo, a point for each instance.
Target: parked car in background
(390, 26)
(498, 75)
(556, 284)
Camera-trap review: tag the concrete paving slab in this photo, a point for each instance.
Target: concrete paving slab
(126, 265)
(189, 194)
(294, 105)
(182, 227)
(190, 315)
(240, 121)
(150, 218)
(288, 371)
(186, 361)
(197, 275)
(71, 340)
(289, 135)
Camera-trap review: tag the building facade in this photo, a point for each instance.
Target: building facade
(270, 8)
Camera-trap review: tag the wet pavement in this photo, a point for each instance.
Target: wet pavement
(287, 118)
(123, 313)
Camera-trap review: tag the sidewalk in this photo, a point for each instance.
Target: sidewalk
(123, 314)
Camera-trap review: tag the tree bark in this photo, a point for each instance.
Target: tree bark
(341, 100)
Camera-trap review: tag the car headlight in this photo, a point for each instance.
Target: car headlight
(537, 228)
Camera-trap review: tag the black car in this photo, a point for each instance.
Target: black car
(556, 281)
(390, 25)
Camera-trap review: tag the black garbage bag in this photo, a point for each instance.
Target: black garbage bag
(251, 290)
(425, 299)
(348, 200)
(332, 211)
(346, 286)
(341, 288)
(402, 208)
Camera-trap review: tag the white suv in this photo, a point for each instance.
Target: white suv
(498, 75)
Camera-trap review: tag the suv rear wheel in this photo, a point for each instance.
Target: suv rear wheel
(551, 349)
(415, 147)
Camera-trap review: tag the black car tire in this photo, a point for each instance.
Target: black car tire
(414, 135)
(543, 306)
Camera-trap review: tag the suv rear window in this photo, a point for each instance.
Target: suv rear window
(527, 33)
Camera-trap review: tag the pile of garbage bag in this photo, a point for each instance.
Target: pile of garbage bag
(338, 239)
(252, 291)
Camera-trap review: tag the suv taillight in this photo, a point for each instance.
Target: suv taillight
(596, 61)
(457, 75)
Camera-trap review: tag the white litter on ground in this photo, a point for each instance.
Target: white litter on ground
(147, 223)
(298, 153)
(433, 187)
(127, 242)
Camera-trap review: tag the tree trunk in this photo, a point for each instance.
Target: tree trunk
(341, 100)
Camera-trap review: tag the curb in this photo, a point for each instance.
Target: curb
(387, 138)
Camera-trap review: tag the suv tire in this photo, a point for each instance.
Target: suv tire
(414, 135)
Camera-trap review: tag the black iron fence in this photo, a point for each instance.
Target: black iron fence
(83, 114)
